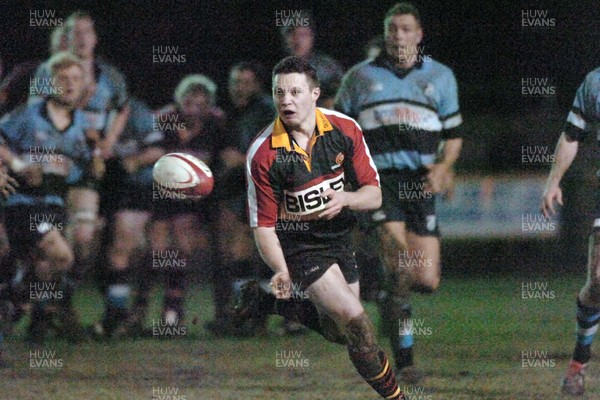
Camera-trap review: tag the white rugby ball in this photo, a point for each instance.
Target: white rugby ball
(183, 176)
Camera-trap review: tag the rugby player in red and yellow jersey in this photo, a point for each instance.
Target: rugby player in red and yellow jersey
(307, 171)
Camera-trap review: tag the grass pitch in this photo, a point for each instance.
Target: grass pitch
(498, 337)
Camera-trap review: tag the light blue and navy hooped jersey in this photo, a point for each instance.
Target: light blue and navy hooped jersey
(110, 94)
(403, 113)
(584, 116)
(64, 156)
(140, 132)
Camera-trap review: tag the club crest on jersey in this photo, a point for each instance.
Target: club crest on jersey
(309, 200)
(339, 159)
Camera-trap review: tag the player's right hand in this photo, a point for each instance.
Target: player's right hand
(552, 193)
(281, 285)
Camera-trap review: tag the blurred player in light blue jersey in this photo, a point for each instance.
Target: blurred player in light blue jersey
(131, 196)
(583, 118)
(407, 106)
(45, 146)
(104, 104)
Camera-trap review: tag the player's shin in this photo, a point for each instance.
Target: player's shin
(369, 360)
(588, 312)
(396, 314)
(143, 286)
(305, 313)
(117, 297)
(173, 312)
(587, 326)
(70, 326)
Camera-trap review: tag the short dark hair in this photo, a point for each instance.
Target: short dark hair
(401, 9)
(259, 71)
(292, 64)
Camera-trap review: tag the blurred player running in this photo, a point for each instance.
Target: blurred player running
(407, 104)
(252, 110)
(181, 228)
(137, 150)
(298, 167)
(582, 119)
(104, 104)
(45, 146)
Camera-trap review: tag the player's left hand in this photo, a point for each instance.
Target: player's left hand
(8, 184)
(438, 179)
(337, 201)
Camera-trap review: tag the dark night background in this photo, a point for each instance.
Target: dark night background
(483, 41)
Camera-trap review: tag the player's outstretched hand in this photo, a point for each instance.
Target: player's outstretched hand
(552, 193)
(337, 201)
(8, 184)
(281, 285)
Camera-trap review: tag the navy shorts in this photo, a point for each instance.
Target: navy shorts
(307, 266)
(405, 200)
(27, 225)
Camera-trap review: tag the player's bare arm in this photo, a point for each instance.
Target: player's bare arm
(146, 157)
(32, 174)
(270, 250)
(114, 132)
(440, 173)
(564, 154)
(366, 198)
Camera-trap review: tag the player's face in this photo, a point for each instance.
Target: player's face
(83, 38)
(242, 86)
(300, 41)
(402, 36)
(195, 104)
(294, 99)
(69, 84)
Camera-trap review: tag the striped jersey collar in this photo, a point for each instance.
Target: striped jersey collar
(385, 61)
(280, 137)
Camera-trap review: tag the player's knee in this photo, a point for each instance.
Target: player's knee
(83, 234)
(63, 261)
(84, 227)
(427, 285)
(350, 310)
(119, 261)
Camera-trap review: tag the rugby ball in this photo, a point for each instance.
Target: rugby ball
(182, 176)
